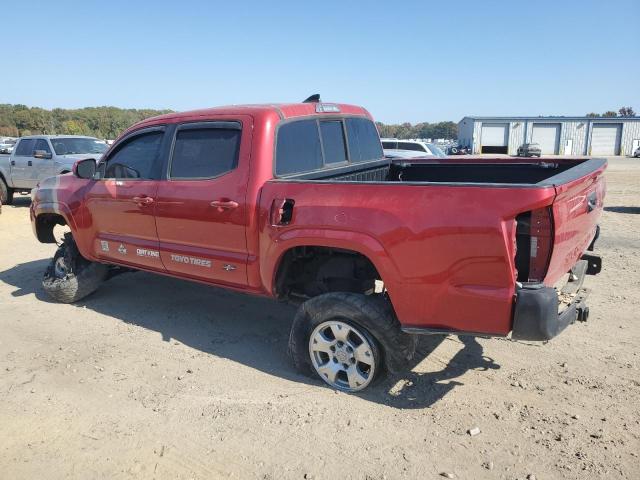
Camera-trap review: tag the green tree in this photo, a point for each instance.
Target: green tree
(609, 114)
(627, 112)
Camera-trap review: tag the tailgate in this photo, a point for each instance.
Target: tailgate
(576, 211)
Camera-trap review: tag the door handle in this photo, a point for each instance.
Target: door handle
(224, 204)
(13, 163)
(143, 200)
(29, 163)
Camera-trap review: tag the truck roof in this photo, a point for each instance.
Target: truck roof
(279, 111)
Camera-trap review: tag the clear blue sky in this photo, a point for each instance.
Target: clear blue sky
(411, 61)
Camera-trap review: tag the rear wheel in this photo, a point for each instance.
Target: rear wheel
(348, 340)
(344, 355)
(70, 277)
(6, 193)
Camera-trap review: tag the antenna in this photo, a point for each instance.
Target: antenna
(315, 98)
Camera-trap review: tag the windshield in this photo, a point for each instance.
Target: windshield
(436, 150)
(70, 146)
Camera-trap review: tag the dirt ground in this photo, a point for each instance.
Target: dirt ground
(153, 377)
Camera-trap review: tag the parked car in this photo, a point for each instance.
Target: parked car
(298, 202)
(40, 156)
(529, 150)
(425, 148)
(636, 154)
(395, 153)
(6, 148)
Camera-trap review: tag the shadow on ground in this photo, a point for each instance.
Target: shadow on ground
(632, 210)
(249, 330)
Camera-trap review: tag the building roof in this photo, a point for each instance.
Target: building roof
(553, 118)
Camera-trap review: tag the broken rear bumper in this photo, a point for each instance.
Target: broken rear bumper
(536, 308)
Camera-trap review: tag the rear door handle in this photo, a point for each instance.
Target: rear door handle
(29, 163)
(143, 200)
(224, 204)
(13, 163)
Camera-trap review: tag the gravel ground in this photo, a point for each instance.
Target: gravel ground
(153, 377)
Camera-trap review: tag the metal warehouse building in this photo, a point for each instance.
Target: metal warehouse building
(556, 135)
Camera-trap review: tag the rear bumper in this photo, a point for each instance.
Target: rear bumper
(536, 316)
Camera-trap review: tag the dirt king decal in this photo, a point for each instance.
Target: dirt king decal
(143, 252)
(200, 262)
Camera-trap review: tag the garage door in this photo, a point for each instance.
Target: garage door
(495, 137)
(605, 139)
(548, 136)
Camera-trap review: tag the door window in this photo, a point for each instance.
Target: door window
(205, 153)
(136, 158)
(25, 147)
(42, 144)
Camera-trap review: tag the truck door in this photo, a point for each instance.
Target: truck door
(42, 165)
(120, 207)
(201, 210)
(21, 163)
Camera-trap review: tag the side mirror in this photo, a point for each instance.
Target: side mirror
(42, 154)
(85, 168)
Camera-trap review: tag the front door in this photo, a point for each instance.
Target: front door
(42, 166)
(201, 209)
(22, 163)
(121, 206)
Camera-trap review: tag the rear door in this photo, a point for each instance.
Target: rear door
(201, 208)
(120, 208)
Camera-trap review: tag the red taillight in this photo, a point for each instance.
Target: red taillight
(541, 242)
(534, 241)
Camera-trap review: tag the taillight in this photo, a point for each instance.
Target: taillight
(534, 241)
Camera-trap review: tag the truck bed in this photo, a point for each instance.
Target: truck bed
(464, 171)
(445, 228)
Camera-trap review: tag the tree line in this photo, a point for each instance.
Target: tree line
(448, 130)
(109, 122)
(100, 122)
(622, 112)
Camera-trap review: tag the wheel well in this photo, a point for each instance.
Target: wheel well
(44, 226)
(309, 271)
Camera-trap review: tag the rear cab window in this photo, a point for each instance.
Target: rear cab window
(310, 145)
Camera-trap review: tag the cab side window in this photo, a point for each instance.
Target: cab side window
(201, 153)
(42, 144)
(25, 147)
(135, 158)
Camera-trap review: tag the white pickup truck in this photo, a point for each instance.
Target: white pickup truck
(37, 157)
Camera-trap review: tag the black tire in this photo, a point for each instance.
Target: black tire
(6, 193)
(372, 315)
(81, 277)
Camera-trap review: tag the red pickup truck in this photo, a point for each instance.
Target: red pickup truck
(298, 202)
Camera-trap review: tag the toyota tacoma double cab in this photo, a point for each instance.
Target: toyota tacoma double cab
(298, 202)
